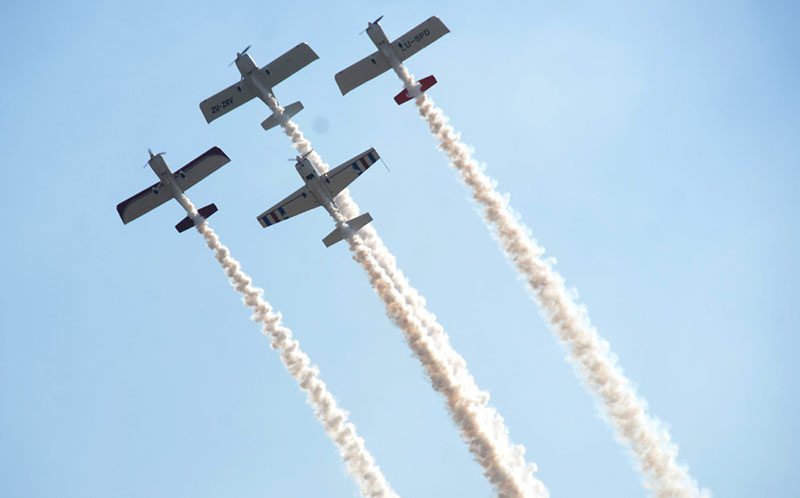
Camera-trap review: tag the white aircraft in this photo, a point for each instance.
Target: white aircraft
(257, 82)
(402, 48)
(320, 190)
(171, 185)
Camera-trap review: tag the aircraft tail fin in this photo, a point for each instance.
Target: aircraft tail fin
(288, 111)
(354, 225)
(187, 222)
(424, 84)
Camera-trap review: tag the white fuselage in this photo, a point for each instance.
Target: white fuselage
(160, 168)
(379, 38)
(316, 185)
(257, 80)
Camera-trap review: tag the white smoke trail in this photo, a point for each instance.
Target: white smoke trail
(360, 464)
(647, 438)
(481, 427)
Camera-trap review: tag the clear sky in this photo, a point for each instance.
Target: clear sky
(651, 148)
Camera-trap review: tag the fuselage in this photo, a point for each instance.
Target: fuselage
(377, 35)
(316, 184)
(255, 79)
(160, 168)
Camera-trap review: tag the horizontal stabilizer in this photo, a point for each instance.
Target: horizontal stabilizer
(354, 225)
(405, 95)
(187, 222)
(288, 111)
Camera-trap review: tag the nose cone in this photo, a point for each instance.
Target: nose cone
(157, 162)
(245, 63)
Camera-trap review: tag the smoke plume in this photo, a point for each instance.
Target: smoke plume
(360, 464)
(649, 441)
(481, 427)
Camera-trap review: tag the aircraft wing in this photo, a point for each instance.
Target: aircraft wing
(343, 175)
(298, 202)
(419, 38)
(158, 193)
(361, 72)
(143, 202)
(289, 63)
(207, 163)
(226, 101)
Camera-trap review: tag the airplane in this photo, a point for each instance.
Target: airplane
(320, 190)
(401, 49)
(258, 82)
(171, 185)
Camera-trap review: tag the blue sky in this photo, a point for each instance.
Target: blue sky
(650, 148)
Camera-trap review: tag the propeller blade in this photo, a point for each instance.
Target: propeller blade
(370, 24)
(239, 54)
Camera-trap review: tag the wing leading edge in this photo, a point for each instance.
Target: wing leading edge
(343, 175)
(289, 63)
(361, 72)
(226, 101)
(419, 37)
(298, 202)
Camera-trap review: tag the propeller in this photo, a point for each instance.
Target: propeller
(150, 151)
(369, 24)
(239, 54)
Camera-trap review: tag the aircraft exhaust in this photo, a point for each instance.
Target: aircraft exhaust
(481, 427)
(623, 407)
(359, 462)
